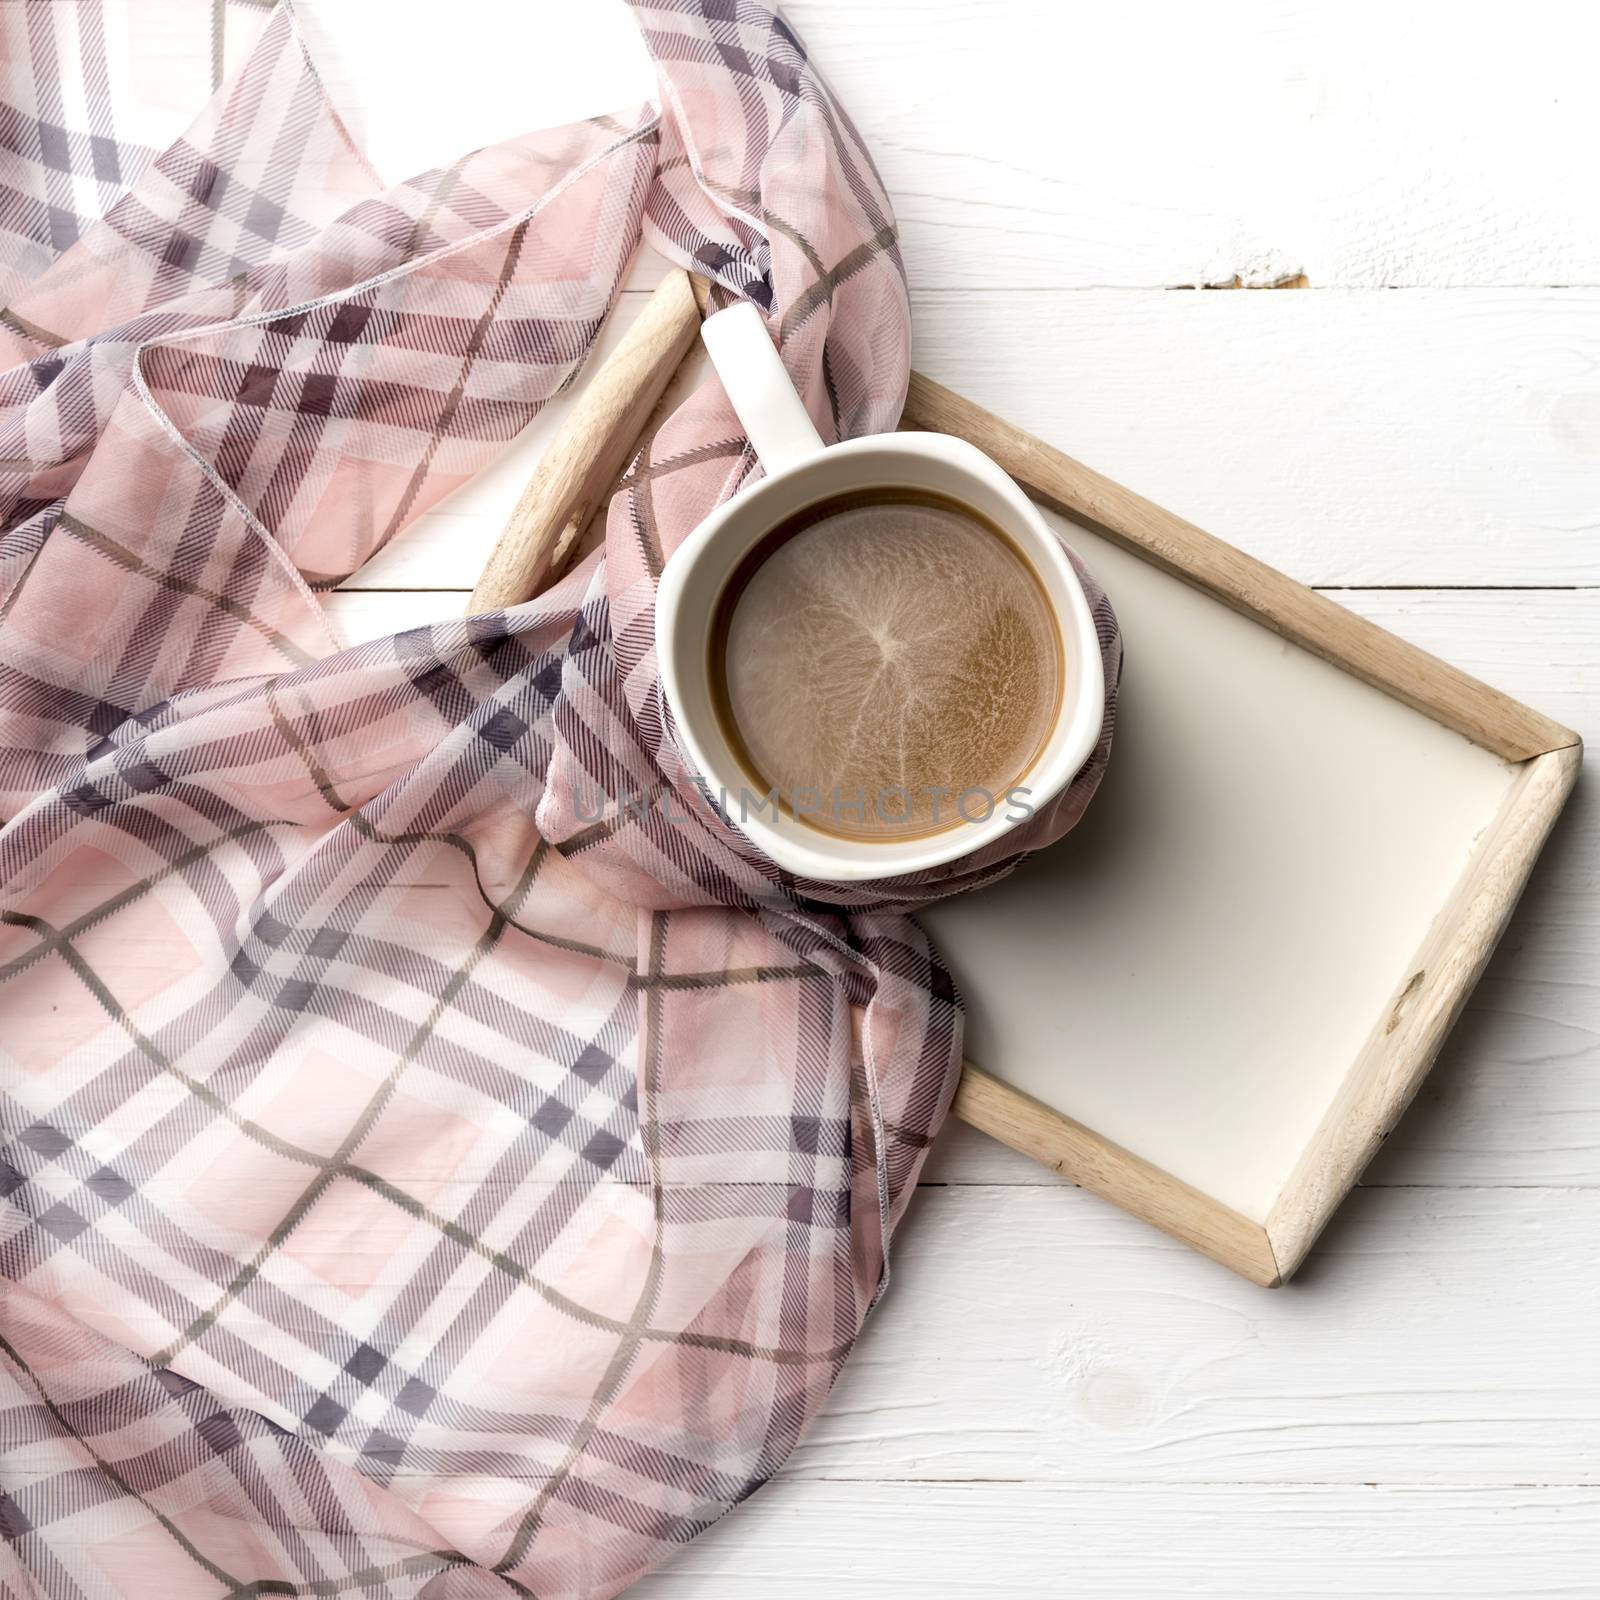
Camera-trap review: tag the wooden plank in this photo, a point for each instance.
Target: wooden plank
(362, 614)
(1428, 438)
(943, 1541)
(1041, 1334)
(1423, 437)
(1291, 610)
(1151, 144)
(1338, 187)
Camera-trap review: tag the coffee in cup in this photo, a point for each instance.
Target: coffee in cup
(886, 664)
(890, 613)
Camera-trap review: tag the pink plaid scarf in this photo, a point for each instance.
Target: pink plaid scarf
(411, 1185)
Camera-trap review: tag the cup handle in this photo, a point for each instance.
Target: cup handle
(773, 416)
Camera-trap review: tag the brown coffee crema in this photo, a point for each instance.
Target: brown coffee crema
(887, 663)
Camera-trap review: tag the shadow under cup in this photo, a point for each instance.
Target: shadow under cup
(885, 665)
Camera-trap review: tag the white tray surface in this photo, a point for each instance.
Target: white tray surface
(1194, 969)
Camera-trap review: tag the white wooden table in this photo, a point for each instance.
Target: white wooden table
(1055, 1400)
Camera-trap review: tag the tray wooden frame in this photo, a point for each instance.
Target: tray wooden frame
(1429, 995)
(633, 389)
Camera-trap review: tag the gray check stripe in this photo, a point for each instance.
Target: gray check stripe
(822, 290)
(146, 1047)
(134, 564)
(113, 1475)
(364, 1121)
(455, 841)
(628, 1342)
(219, 40)
(363, 1578)
(56, 164)
(52, 939)
(643, 471)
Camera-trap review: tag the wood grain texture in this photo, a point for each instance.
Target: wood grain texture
(1416, 437)
(1039, 1334)
(578, 470)
(1295, 612)
(1153, 144)
(949, 1541)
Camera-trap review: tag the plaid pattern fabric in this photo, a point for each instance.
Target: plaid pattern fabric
(410, 1184)
(90, 94)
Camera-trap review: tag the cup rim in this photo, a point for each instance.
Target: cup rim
(789, 842)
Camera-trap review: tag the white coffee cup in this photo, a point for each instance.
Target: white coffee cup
(800, 471)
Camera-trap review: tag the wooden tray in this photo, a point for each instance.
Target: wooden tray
(1211, 1001)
